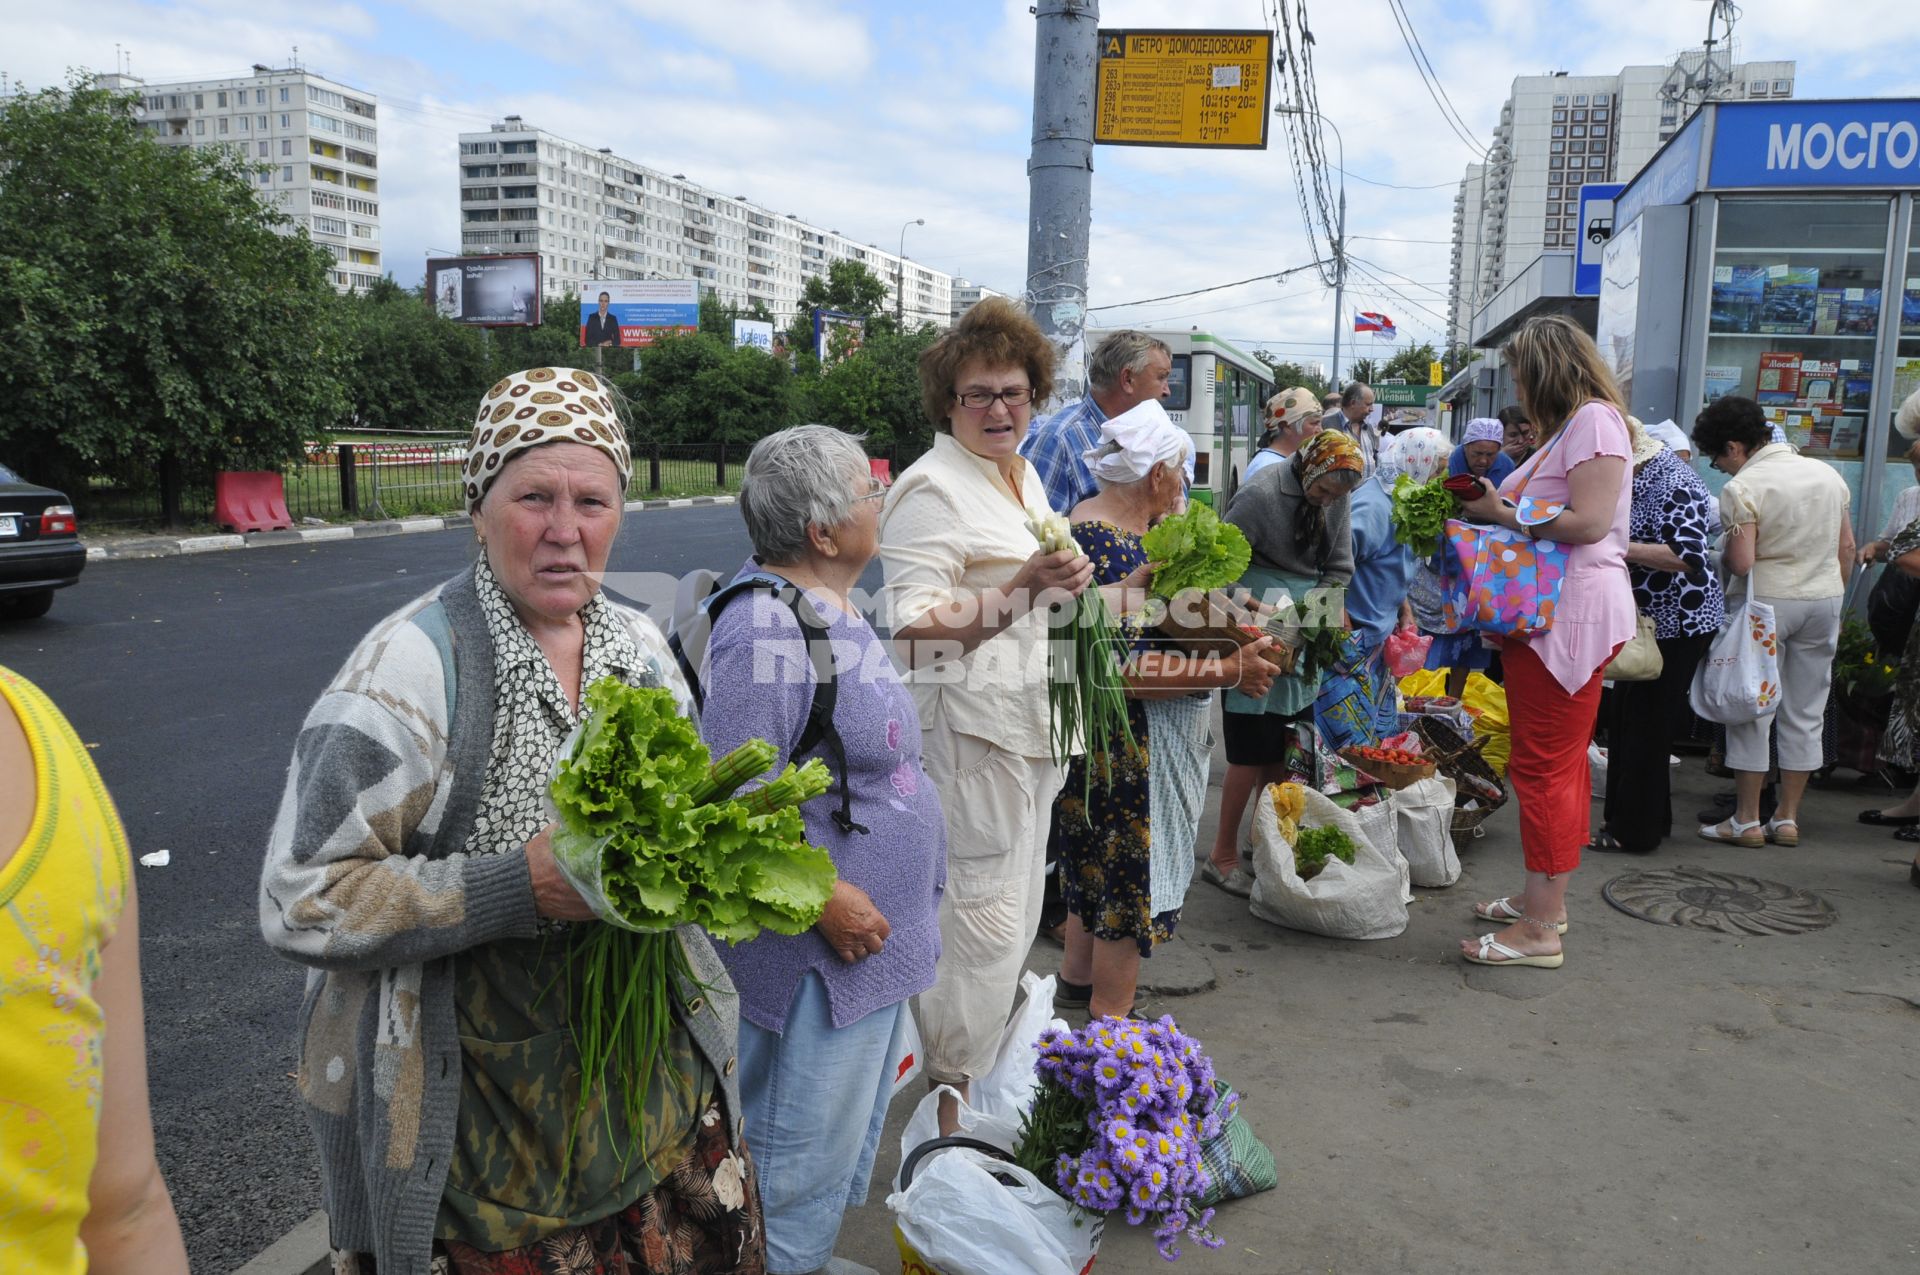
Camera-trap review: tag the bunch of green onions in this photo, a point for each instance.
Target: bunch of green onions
(623, 980)
(1086, 695)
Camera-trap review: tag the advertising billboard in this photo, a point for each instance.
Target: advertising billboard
(487, 292)
(836, 334)
(757, 333)
(634, 313)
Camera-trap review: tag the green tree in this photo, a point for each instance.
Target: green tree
(1411, 364)
(876, 391)
(697, 388)
(717, 315)
(408, 368)
(847, 286)
(1364, 370)
(157, 316)
(1287, 374)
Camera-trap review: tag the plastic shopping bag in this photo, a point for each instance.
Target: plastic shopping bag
(1486, 700)
(1423, 824)
(1366, 899)
(1406, 652)
(1739, 680)
(996, 1101)
(963, 1212)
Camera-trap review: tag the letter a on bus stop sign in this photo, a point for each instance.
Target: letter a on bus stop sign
(1207, 89)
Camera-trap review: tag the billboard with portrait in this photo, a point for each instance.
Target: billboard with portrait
(634, 313)
(836, 334)
(487, 292)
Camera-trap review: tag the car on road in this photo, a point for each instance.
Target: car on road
(40, 548)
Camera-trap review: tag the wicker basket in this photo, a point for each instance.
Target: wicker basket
(1474, 779)
(1390, 774)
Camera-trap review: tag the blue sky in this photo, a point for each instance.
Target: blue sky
(863, 115)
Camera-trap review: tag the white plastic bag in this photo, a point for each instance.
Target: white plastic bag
(957, 1217)
(1739, 680)
(996, 1101)
(1366, 899)
(1423, 824)
(1597, 770)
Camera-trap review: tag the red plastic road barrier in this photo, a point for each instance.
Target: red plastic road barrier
(881, 469)
(250, 501)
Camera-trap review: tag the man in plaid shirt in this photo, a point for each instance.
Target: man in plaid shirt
(1127, 369)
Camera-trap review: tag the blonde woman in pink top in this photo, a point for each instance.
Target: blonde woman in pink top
(1577, 493)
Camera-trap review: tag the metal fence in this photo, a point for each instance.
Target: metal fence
(394, 480)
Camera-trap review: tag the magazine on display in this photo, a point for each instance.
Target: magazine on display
(1737, 294)
(1723, 379)
(1790, 297)
(1779, 381)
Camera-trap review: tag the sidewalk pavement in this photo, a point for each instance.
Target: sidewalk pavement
(162, 546)
(1670, 1100)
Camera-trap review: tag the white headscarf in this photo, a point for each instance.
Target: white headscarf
(1132, 443)
(1421, 454)
(1670, 434)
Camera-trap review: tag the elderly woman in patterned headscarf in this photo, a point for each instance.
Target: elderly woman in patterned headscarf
(411, 870)
(1296, 518)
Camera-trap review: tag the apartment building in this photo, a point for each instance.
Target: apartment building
(966, 295)
(1556, 133)
(592, 214)
(317, 140)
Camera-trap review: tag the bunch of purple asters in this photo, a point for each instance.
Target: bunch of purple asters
(1119, 1118)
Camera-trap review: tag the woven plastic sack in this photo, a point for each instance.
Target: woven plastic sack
(1423, 822)
(1239, 1163)
(1365, 899)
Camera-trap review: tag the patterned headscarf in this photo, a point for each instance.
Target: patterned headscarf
(542, 405)
(1484, 429)
(1330, 451)
(1421, 454)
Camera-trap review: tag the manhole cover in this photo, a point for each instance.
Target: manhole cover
(1703, 900)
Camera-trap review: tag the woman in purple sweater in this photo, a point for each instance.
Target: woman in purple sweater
(823, 1014)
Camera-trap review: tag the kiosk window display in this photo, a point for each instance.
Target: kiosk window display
(1802, 278)
(1794, 314)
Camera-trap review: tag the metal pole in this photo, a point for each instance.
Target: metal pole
(1339, 271)
(900, 278)
(1066, 52)
(1339, 234)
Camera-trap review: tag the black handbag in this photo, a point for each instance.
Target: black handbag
(1890, 610)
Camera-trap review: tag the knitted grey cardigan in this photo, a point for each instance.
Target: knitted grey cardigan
(1265, 508)
(366, 883)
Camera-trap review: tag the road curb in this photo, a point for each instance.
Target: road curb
(301, 1251)
(173, 547)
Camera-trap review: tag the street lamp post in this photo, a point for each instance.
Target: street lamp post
(1339, 234)
(900, 286)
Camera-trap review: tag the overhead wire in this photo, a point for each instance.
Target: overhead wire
(1218, 287)
(1431, 80)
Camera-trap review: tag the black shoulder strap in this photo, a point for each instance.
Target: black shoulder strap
(819, 732)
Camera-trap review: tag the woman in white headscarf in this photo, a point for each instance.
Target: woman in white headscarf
(1125, 857)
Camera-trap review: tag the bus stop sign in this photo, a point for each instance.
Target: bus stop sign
(1184, 88)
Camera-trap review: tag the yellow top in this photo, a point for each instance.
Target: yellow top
(60, 899)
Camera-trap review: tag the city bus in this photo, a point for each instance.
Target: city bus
(1218, 393)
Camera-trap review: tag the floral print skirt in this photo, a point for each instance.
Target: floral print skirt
(702, 1219)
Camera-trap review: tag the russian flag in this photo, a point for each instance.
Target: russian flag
(1372, 321)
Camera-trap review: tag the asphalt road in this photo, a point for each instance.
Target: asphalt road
(189, 677)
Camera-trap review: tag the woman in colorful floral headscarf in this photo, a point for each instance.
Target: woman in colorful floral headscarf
(1296, 519)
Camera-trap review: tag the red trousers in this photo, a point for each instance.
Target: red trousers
(1548, 766)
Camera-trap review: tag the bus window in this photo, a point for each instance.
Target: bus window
(1180, 384)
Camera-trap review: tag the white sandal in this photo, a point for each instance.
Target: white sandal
(1779, 838)
(1491, 946)
(1732, 832)
(1503, 911)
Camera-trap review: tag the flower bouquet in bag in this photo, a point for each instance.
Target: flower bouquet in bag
(651, 834)
(1120, 1120)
